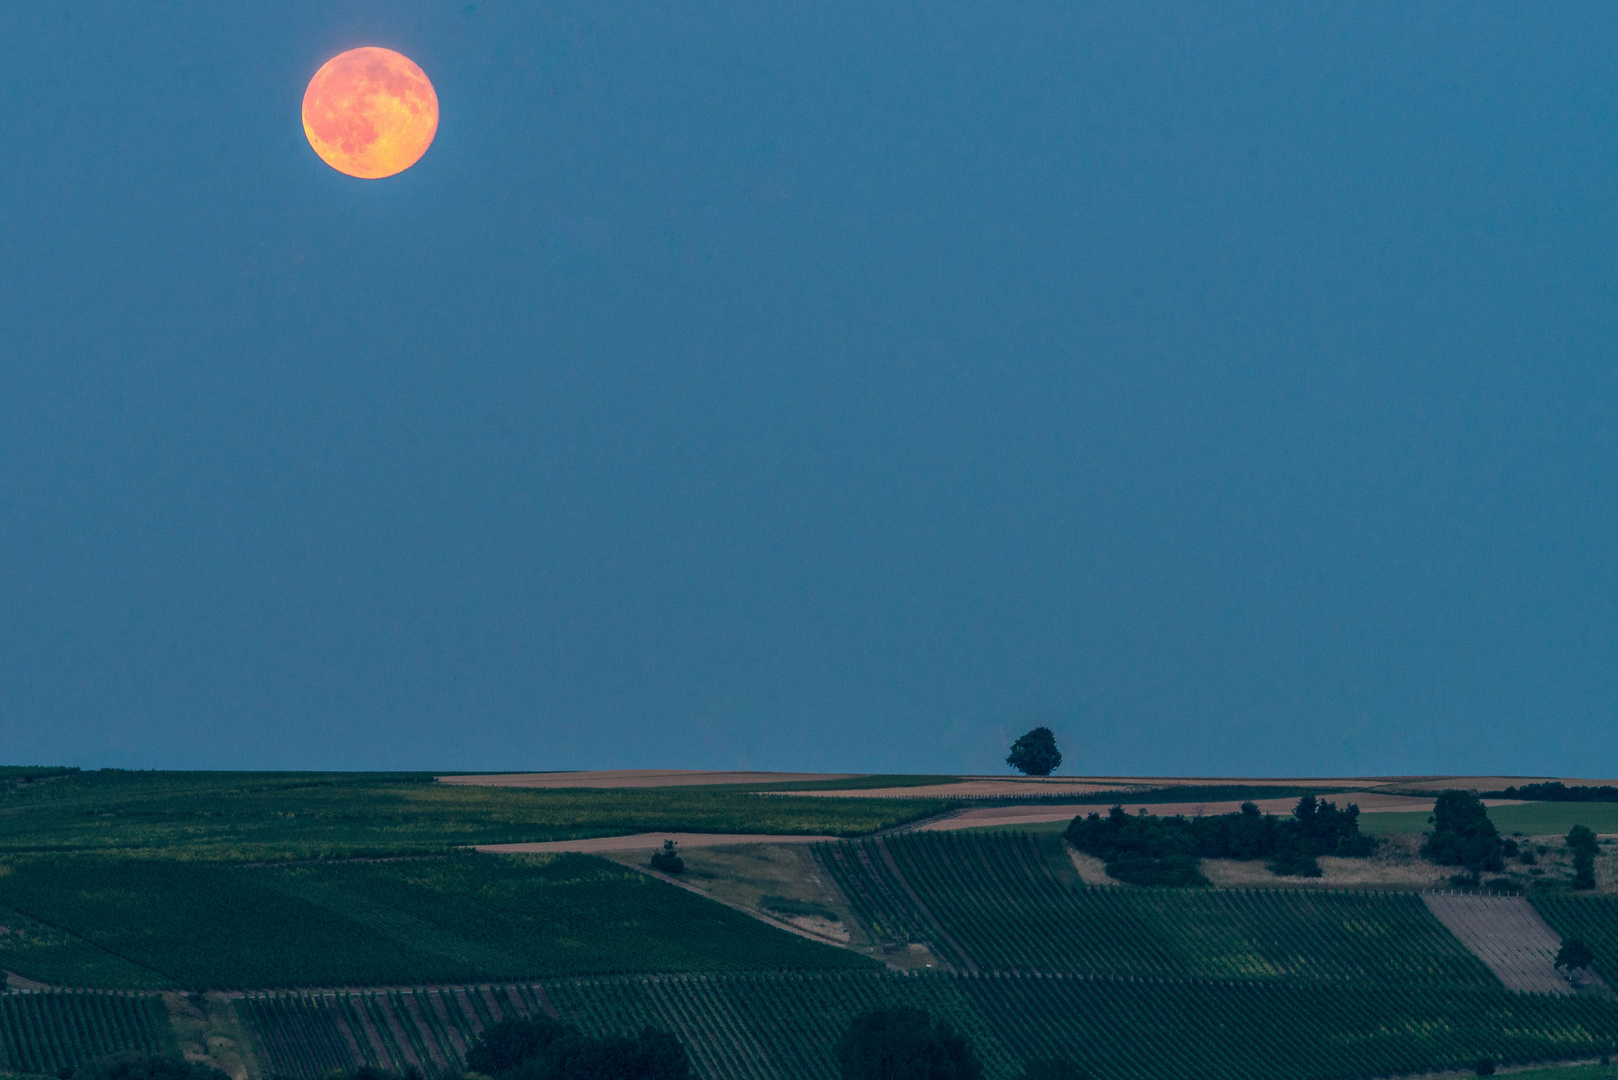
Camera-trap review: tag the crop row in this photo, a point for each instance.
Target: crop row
(1591, 919)
(993, 902)
(41, 1033)
(309, 1033)
(784, 1026)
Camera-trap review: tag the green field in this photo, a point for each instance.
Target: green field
(444, 919)
(1529, 819)
(259, 816)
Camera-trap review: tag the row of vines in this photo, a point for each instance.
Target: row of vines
(784, 1026)
(991, 902)
(41, 1033)
(305, 1034)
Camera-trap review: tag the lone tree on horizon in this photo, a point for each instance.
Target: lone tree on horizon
(1035, 754)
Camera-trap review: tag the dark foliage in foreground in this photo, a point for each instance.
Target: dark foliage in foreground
(904, 1044)
(1147, 850)
(545, 1049)
(136, 1066)
(1556, 791)
(1463, 835)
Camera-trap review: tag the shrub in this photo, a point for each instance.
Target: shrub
(668, 860)
(1485, 1066)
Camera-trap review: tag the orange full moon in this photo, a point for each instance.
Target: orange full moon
(370, 112)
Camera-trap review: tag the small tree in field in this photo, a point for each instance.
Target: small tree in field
(1035, 754)
(1574, 954)
(668, 860)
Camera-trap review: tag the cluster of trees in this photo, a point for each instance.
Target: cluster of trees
(1556, 791)
(544, 1049)
(1144, 849)
(668, 860)
(1464, 836)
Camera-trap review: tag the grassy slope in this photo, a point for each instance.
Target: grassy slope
(447, 919)
(236, 816)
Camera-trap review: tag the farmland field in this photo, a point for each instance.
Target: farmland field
(444, 919)
(995, 902)
(41, 1033)
(261, 816)
(784, 1025)
(184, 883)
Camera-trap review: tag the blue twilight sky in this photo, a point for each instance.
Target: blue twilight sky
(815, 385)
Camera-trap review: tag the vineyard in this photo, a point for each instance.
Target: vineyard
(449, 919)
(41, 1033)
(1000, 902)
(750, 1027)
(1591, 919)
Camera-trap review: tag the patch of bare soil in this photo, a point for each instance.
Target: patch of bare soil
(601, 845)
(1395, 866)
(637, 778)
(208, 1032)
(1091, 869)
(1506, 933)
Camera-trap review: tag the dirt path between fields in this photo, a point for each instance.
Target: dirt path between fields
(992, 816)
(1506, 933)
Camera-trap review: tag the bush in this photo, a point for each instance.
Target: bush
(668, 860)
(1035, 754)
(1485, 1066)
(904, 1044)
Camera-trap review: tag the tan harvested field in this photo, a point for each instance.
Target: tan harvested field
(1506, 933)
(644, 841)
(637, 778)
